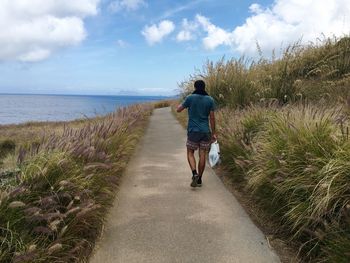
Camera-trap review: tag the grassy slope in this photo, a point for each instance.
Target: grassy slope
(294, 162)
(53, 206)
(284, 141)
(13, 137)
(311, 73)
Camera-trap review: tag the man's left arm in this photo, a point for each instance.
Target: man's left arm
(212, 121)
(213, 126)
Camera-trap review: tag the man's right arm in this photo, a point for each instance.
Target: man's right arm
(184, 105)
(180, 108)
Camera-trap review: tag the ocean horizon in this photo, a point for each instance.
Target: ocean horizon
(22, 108)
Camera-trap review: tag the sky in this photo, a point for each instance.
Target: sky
(144, 47)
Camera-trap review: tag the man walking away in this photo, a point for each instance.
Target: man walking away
(200, 109)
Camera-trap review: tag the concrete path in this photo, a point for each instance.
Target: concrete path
(158, 217)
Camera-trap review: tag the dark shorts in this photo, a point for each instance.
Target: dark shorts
(201, 140)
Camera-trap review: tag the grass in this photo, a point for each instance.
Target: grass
(34, 131)
(13, 137)
(163, 104)
(53, 206)
(313, 72)
(284, 137)
(182, 118)
(6, 147)
(299, 168)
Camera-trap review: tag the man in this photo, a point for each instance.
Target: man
(200, 109)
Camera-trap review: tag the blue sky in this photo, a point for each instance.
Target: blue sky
(140, 47)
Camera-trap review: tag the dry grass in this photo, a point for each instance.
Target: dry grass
(182, 117)
(163, 104)
(53, 205)
(13, 137)
(283, 138)
(295, 160)
(312, 72)
(34, 131)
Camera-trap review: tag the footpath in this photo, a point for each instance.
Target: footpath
(158, 217)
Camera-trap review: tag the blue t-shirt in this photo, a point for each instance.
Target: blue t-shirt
(199, 108)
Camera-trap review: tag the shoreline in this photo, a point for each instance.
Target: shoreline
(20, 109)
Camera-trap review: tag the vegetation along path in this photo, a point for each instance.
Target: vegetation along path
(159, 218)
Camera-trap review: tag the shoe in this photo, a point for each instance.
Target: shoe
(194, 181)
(199, 181)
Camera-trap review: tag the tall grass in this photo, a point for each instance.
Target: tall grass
(34, 131)
(283, 132)
(55, 209)
(162, 104)
(302, 160)
(313, 72)
(13, 137)
(238, 130)
(296, 161)
(7, 146)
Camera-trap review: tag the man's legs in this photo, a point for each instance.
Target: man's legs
(204, 147)
(195, 141)
(192, 162)
(202, 159)
(191, 159)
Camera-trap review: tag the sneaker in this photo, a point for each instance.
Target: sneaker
(199, 181)
(194, 181)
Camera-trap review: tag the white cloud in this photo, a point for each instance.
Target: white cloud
(35, 55)
(31, 30)
(187, 32)
(216, 36)
(155, 33)
(180, 8)
(255, 8)
(121, 43)
(290, 20)
(286, 22)
(129, 5)
(184, 35)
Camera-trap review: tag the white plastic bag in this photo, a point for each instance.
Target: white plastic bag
(214, 154)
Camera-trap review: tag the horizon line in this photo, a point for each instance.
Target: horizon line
(102, 95)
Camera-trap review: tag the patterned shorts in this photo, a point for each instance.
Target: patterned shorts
(201, 140)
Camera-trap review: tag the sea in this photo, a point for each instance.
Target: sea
(20, 108)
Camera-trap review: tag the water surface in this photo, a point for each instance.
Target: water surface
(16, 109)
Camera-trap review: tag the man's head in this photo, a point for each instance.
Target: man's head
(199, 85)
